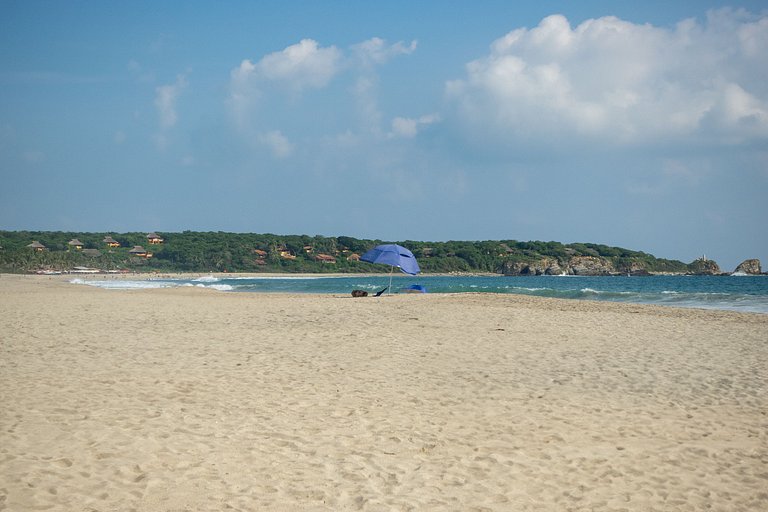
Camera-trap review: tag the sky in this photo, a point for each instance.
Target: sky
(642, 125)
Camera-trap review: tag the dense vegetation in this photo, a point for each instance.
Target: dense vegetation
(192, 251)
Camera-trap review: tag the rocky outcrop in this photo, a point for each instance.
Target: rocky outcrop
(749, 267)
(705, 267)
(590, 266)
(544, 266)
(637, 269)
(577, 265)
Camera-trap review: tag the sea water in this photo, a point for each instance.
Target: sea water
(737, 293)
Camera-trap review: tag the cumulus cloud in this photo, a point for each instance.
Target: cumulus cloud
(307, 65)
(620, 82)
(165, 101)
(299, 66)
(367, 55)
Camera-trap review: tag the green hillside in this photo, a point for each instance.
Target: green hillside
(192, 251)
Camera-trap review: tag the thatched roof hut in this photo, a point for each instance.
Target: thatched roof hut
(77, 244)
(138, 251)
(37, 246)
(111, 242)
(154, 238)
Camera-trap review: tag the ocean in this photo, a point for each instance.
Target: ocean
(733, 293)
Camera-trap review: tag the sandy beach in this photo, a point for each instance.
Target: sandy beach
(195, 400)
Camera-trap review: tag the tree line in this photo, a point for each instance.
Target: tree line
(194, 251)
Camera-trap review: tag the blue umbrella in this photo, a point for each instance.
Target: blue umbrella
(395, 256)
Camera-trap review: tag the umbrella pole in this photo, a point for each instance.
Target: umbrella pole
(391, 270)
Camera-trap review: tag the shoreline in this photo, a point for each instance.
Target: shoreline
(183, 275)
(676, 293)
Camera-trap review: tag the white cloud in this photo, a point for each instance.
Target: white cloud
(258, 90)
(619, 82)
(408, 127)
(302, 65)
(376, 50)
(165, 101)
(278, 143)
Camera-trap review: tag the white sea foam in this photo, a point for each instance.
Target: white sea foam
(206, 279)
(220, 287)
(124, 285)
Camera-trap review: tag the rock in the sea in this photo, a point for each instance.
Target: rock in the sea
(590, 266)
(751, 266)
(705, 267)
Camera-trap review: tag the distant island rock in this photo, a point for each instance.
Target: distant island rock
(705, 267)
(751, 266)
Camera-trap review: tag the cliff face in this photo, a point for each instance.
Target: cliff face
(590, 266)
(751, 266)
(544, 266)
(577, 265)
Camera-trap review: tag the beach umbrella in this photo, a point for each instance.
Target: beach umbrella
(395, 256)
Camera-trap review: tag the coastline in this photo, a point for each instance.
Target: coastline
(186, 398)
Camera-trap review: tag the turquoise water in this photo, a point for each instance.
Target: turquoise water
(736, 293)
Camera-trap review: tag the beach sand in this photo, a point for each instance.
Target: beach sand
(197, 400)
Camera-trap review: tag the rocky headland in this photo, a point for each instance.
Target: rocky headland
(601, 266)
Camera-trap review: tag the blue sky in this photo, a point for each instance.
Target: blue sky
(637, 124)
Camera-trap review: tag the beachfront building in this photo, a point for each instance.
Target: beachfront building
(154, 239)
(260, 257)
(325, 258)
(77, 244)
(140, 252)
(111, 242)
(36, 246)
(353, 257)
